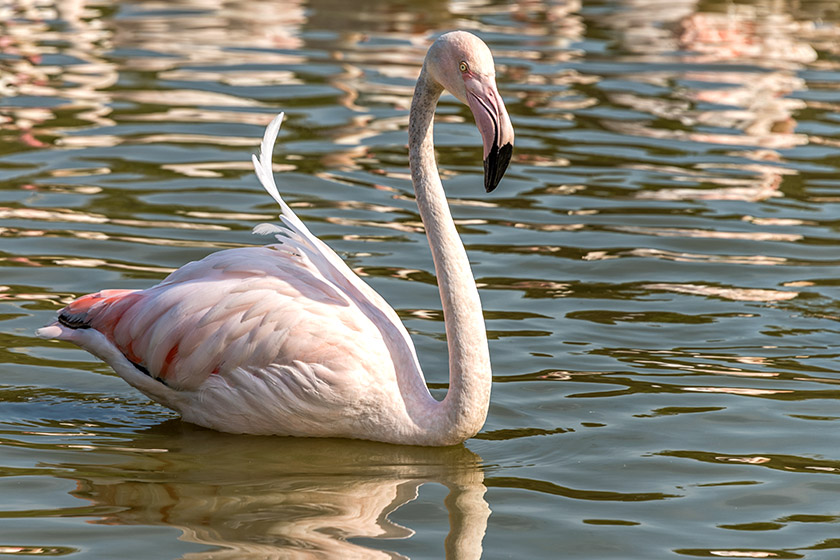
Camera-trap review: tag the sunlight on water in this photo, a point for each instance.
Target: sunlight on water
(659, 272)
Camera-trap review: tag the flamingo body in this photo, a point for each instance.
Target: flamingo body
(285, 339)
(217, 341)
(280, 339)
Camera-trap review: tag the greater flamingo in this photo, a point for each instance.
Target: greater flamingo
(285, 339)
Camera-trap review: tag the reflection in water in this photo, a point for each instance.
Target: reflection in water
(662, 262)
(749, 108)
(266, 497)
(79, 85)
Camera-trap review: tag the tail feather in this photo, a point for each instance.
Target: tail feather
(87, 311)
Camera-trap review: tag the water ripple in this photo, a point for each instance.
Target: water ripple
(657, 271)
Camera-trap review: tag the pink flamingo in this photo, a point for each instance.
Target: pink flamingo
(285, 339)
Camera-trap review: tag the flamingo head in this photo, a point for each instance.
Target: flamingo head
(462, 64)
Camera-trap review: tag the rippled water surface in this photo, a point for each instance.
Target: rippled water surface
(659, 272)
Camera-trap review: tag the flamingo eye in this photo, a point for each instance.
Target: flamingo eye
(463, 66)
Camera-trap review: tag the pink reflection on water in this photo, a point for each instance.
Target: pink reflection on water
(764, 43)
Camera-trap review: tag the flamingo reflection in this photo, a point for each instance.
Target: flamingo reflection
(267, 497)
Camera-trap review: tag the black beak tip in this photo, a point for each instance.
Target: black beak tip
(495, 166)
(488, 184)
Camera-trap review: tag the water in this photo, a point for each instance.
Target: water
(659, 271)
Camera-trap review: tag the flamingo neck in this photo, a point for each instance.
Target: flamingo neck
(462, 413)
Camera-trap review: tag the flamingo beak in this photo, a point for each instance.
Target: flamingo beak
(493, 122)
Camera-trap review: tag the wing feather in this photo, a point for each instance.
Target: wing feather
(328, 264)
(278, 308)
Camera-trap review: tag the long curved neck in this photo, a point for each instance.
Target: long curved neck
(463, 411)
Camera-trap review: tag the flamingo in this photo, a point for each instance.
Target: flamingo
(286, 339)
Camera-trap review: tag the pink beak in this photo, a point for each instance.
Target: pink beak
(493, 123)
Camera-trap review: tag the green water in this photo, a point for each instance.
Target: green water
(659, 271)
